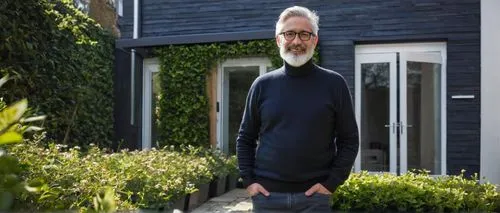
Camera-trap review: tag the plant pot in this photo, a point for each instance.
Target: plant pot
(231, 182)
(204, 189)
(179, 204)
(217, 187)
(194, 201)
(197, 198)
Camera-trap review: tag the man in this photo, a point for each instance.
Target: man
(302, 116)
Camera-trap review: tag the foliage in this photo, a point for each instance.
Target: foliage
(183, 105)
(62, 62)
(220, 164)
(232, 165)
(12, 127)
(147, 179)
(415, 192)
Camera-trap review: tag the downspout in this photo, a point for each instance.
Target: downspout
(132, 61)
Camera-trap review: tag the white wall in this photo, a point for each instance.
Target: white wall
(490, 90)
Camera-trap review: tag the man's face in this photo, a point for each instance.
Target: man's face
(294, 50)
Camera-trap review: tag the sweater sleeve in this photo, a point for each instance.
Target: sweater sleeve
(347, 139)
(246, 141)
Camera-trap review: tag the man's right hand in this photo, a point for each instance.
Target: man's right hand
(255, 189)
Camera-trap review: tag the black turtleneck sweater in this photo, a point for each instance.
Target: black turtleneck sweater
(298, 129)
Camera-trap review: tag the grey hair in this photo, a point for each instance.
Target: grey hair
(298, 11)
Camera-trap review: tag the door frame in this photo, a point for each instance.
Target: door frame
(404, 48)
(150, 66)
(222, 92)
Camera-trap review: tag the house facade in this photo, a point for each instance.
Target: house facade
(420, 74)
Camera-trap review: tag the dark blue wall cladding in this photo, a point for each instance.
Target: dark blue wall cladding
(343, 24)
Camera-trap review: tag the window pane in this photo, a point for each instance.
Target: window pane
(240, 80)
(375, 106)
(424, 116)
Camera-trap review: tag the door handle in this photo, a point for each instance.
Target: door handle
(403, 126)
(393, 125)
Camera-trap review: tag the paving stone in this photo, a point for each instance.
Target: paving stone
(235, 201)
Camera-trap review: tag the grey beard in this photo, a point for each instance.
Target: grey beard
(295, 60)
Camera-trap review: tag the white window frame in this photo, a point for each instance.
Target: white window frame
(119, 7)
(150, 66)
(403, 48)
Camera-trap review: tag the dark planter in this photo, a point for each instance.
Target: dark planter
(217, 186)
(179, 204)
(199, 197)
(204, 189)
(231, 182)
(194, 201)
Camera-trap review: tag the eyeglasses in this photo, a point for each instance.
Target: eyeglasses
(290, 35)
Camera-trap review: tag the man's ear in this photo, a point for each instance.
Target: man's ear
(316, 39)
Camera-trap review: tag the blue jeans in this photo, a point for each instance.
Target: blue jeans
(291, 202)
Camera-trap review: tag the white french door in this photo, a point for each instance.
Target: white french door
(235, 76)
(400, 105)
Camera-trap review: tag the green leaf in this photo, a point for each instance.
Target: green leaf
(4, 80)
(10, 137)
(12, 114)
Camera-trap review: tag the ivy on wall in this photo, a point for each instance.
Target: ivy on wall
(183, 108)
(63, 63)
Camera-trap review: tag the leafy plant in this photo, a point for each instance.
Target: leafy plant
(147, 179)
(11, 131)
(232, 164)
(105, 201)
(415, 192)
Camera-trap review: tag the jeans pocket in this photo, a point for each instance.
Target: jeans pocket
(256, 196)
(322, 196)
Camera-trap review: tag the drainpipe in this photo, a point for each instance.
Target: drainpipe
(132, 61)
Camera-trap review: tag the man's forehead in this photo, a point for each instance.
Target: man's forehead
(297, 23)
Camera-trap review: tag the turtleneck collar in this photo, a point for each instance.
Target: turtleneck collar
(303, 70)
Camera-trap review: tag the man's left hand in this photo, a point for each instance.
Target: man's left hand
(318, 188)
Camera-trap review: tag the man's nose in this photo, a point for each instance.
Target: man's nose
(296, 40)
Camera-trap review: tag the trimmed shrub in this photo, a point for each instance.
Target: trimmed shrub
(414, 192)
(151, 179)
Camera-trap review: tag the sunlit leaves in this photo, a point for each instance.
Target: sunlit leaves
(414, 192)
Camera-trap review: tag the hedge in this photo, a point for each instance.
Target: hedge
(62, 61)
(154, 179)
(148, 179)
(415, 191)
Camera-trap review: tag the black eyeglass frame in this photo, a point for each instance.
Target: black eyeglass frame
(301, 34)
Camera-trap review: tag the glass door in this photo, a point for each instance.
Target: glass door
(420, 111)
(400, 107)
(237, 75)
(376, 111)
(237, 81)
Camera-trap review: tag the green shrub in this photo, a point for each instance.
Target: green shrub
(13, 124)
(414, 192)
(232, 164)
(62, 61)
(148, 179)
